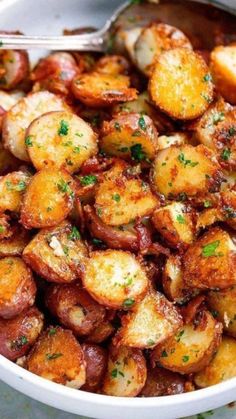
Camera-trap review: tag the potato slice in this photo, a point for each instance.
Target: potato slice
(192, 348)
(60, 140)
(96, 363)
(126, 373)
(209, 263)
(58, 356)
(96, 89)
(14, 245)
(48, 199)
(12, 187)
(161, 382)
(153, 41)
(129, 37)
(17, 287)
(181, 84)
(115, 278)
(222, 64)
(175, 223)
(121, 136)
(112, 64)
(150, 322)
(186, 170)
(20, 116)
(222, 367)
(15, 66)
(57, 254)
(222, 303)
(17, 335)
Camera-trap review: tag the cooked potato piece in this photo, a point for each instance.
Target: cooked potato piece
(112, 64)
(229, 207)
(186, 170)
(115, 278)
(17, 287)
(96, 362)
(17, 335)
(7, 100)
(121, 136)
(58, 356)
(222, 367)
(119, 200)
(223, 303)
(12, 187)
(161, 382)
(208, 217)
(180, 84)
(101, 332)
(222, 64)
(192, 348)
(126, 373)
(176, 138)
(96, 89)
(15, 67)
(151, 321)
(20, 116)
(15, 244)
(153, 41)
(60, 140)
(48, 199)
(209, 263)
(57, 254)
(74, 308)
(129, 37)
(175, 223)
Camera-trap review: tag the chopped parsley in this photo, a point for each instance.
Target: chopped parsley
(210, 249)
(76, 149)
(129, 302)
(115, 373)
(230, 212)
(64, 187)
(215, 313)
(97, 242)
(20, 186)
(207, 77)
(207, 204)
(79, 134)
(150, 342)
(117, 126)
(116, 197)
(179, 335)
(232, 131)
(185, 358)
(63, 128)
(66, 250)
(206, 97)
(218, 117)
(164, 354)
(18, 343)
(123, 149)
(53, 356)
(2, 229)
(74, 234)
(182, 159)
(99, 212)
(88, 180)
(180, 218)
(142, 123)
(52, 331)
(225, 155)
(137, 152)
(28, 141)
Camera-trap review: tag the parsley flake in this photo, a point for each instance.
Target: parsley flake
(180, 218)
(74, 234)
(28, 141)
(225, 155)
(53, 356)
(210, 249)
(182, 159)
(63, 129)
(88, 180)
(116, 197)
(142, 123)
(129, 302)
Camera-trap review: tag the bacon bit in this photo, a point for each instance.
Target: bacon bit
(143, 235)
(190, 311)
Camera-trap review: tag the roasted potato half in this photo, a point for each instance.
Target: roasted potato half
(186, 170)
(14, 66)
(112, 64)
(20, 116)
(122, 135)
(181, 84)
(151, 321)
(57, 254)
(153, 41)
(222, 304)
(48, 199)
(60, 140)
(17, 287)
(192, 348)
(74, 308)
(96, 363)
(222, 64)
(115, 278)
(161, 382)
(17, 335)
(97, 89)
(126, 372)
(15, 244)
(12, 187)
(222, 367)
(209, 263)
(58, 356)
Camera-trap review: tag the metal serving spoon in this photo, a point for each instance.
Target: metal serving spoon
(100, 39)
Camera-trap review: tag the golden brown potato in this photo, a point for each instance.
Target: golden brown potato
(126, 373)
(48, 199)
(122, 135)
(58, 356)
(57, 254)
(208, 217)
(209, 263)
(112, 64)
(74, 308)
(181, 84)
(150, 322)
(20, 116)
(175, 223)
(101, 333)
(115, 278)
(15, 68)
(192, 348)
(222, 367)
(222, 64)
(12, 187)
(17, 287)
(96, 362)
(15, 244)
(60, 140)
(161, 382)
(96, 89)
(186, 170)
(228, 208)
(120, 199)
(153, 41)
(17, 335)
(222, 304)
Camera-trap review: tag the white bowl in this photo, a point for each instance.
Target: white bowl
(49, 17)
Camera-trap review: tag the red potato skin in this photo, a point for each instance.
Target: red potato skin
(96, 363)
(62, 300)
(15, 67)
(161, 382)
(27, 326)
